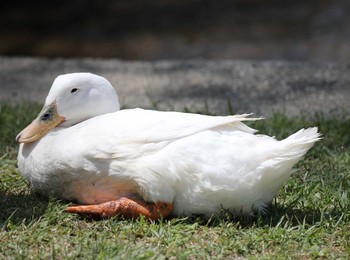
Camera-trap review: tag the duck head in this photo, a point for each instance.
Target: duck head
(73, 98)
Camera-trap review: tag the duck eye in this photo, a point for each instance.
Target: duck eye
(74, 90)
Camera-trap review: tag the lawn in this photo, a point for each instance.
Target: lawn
(309, 219)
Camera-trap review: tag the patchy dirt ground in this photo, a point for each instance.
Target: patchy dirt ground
(210, 55)
(218, 87)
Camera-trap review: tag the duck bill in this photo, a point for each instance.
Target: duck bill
(47, 119)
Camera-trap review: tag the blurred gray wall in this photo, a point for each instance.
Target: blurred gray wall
(309, 30)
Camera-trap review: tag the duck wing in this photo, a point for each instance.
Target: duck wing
(140, 125)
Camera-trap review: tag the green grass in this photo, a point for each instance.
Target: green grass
(309, 219)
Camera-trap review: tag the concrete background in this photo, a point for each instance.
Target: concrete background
(205, 55)
(261, 87)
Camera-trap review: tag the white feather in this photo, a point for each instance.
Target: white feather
(199, 163)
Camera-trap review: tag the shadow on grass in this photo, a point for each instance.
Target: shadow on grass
(25, 208)
(19, 208)
(276, 215)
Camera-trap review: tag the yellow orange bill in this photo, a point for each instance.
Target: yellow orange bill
(47, 119)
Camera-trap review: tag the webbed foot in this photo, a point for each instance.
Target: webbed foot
(128, 208)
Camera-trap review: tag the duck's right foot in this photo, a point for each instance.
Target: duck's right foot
(128, 208)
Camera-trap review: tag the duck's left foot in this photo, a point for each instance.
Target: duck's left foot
(128, 208)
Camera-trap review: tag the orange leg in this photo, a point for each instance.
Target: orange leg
(128, 208)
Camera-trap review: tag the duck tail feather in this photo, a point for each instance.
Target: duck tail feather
(301, 141)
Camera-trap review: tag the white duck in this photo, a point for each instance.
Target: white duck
(82, 148)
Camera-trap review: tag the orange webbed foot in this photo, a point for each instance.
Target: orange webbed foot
(128, 208)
